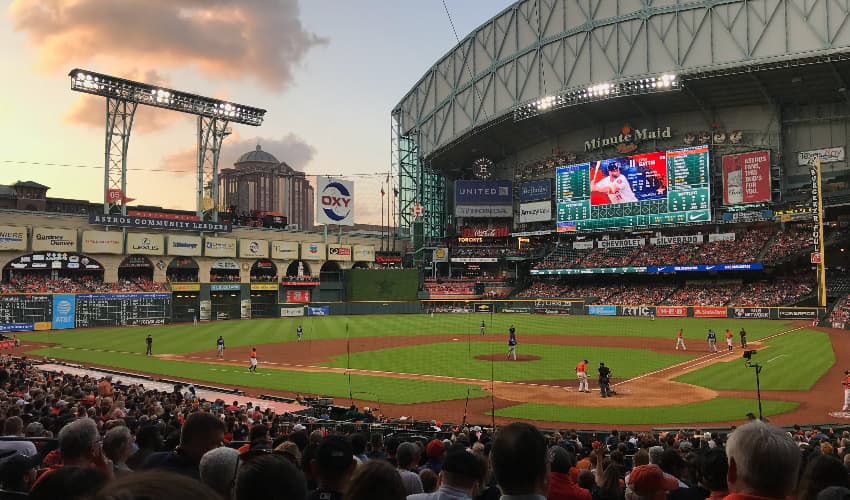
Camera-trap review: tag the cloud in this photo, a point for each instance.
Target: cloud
(290, 149)
(259, 39)
(90, 110)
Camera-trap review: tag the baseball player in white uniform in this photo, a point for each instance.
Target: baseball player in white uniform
(616, 186)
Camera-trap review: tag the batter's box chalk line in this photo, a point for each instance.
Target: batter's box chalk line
(840, 414)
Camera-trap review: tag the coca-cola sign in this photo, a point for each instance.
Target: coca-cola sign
(486, 232)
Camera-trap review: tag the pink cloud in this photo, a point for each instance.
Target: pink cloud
(259, 39)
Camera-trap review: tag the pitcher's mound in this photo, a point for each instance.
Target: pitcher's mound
(501, 357)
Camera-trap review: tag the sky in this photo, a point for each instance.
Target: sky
(328, 72)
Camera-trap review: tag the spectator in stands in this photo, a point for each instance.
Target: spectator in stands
(649, 482)
(376, 480)
(68, 483)
(407, 456)
(14, 427)
(429, 481)
(561, 484)
(201, 433)
(333, 466)
(434, 451)
(519, 461)
(763, 462)
(79, 446)
(268, 476)
(155, 485)
(461, 476)
(218, 468)
(376, 447)
(711, 477)
(149, 441)
(17, 474)
(821, 472)
(118, 447)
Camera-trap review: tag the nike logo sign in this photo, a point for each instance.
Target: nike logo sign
(699, 216)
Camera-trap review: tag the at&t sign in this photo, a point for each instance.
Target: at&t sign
(335, 201)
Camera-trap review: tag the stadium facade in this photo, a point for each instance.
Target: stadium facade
(551, 83)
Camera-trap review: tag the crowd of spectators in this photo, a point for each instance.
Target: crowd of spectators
(95, 439)
(481, 251)
(788, 243)
(225, 277)
(43, 283)
(263, 278)
(763, 293)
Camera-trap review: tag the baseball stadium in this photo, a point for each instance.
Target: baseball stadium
(575, 182)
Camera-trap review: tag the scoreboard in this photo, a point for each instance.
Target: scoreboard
(24, 310)
(664, 187)
(122, 309)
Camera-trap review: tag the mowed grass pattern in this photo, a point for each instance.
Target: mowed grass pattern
(792, 362)
(457, 359)
(183, 338)
(381, 389)
(715, 410)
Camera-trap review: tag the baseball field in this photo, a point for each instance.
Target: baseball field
(441, 367)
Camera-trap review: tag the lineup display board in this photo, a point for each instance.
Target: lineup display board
(25, 310)
(122, 309)
(648, 189)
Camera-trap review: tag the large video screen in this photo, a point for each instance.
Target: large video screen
(664, 187)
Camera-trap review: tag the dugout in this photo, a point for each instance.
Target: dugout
(225, 301)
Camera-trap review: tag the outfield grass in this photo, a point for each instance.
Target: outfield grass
(381, 389)
(180, 339)
(457, 359)
(792, 362)
(715, 410)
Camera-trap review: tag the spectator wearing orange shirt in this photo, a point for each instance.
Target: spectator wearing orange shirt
(104, 387)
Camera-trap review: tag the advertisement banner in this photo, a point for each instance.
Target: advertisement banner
(313, 251)
(746, 178)
(291, 312)
(671, 311)
(493, 193)
(755, 266)
(218, 247)
(751, 313)
(186, 246)
(535, 212)
(13, 238)
(485, 232)
(467, 260)
(535, 190)
(285, 250)
(205, 307)
(146, 244)
(16, 327)
(797, 313)
(225, 287)
(334, 201)
(628, 243)
(363, 253)
(441, 255)
(484, 211)
(103, 242)
(185, 287)
(517, 310)
(225, 264)
(48, 239)
(389, 257)
(583, 245)
(319, 311)
(825, 155)
(638, 310)
(264, 287)
(245, 309)
(483, 308)
(677, 240)
(63, 311)
(721, 237)
(339, 252)
(253, 249)
(297, 296)
(709, 312)
(602, 310)
(158, 223)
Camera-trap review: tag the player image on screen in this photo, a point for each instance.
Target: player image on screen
(615, 186)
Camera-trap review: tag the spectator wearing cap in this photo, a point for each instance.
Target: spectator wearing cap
(519, 462)
(561, 483)
(763, 462)
(13, 427)
(407, 456)
(648, 482)
(461, 477)
(332, 468)
(434, 451)
(17, 474)
(201, 433)
(291, 451)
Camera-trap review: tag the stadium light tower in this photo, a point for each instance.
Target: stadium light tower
(123, 97)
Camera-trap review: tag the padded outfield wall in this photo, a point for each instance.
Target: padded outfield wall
(381, 284)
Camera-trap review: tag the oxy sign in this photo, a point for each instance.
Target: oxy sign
(335, 201)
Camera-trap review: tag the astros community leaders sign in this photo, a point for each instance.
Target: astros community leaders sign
(151, 222)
